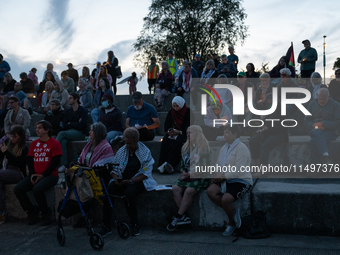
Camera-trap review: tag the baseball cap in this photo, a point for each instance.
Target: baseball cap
(198, 55)
(137, 96)
(231, 47)
(152, 58)
(171, 51)
(242, 74)
(214, 54)
(306, 41)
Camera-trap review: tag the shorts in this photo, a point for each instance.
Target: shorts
(237, 189)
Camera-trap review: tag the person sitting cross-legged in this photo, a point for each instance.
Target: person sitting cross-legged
(43, 161)
(195, 152)
(74, 125)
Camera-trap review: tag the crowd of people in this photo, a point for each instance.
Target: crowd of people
(67, 104)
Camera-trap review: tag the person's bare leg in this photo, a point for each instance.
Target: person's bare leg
(228, 207)
(213, 193)
(177, 192)
(186, 200)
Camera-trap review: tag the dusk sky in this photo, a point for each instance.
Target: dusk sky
(37, 32)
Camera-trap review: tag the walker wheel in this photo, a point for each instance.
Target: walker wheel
(61, 236)
(96, 241)
(123, 230)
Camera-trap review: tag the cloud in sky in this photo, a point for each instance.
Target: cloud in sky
(82, 31)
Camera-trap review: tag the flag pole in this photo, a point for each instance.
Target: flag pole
(324, 59)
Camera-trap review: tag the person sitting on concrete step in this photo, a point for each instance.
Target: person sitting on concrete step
(104, 88)
(55, 116)
(60, 93)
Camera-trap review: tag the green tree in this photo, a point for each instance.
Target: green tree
(336, 64)
(189, 27)
(264, 68)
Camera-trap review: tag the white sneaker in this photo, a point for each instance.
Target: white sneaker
(229, 230)
(161, 168)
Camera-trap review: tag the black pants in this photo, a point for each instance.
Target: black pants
(212, 133)
(131, 192)
(171, 150)
(146, 134)
(3, 114)
(180, 92)
(38, 190)
(151, 83)
(307, 73)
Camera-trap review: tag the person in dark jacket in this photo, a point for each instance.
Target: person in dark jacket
(8, 83)
(14, 151)
(111, 64)
(55, 116)
(227, 68)
(74, 125)
(176, 123)
(198, 64)
(111, 117)
(27, 83)
(73, 74)
(269, 136)
(334, 86)
(253, 77)
(186, 78)
(163, 86)
(275, 72)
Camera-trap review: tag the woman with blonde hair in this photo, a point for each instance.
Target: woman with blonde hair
(195, 152)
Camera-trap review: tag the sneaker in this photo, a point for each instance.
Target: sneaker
(33, 216)
(135, 231)
(161, 168)
(237, 218)
(47, 218)
(173, 225)
(106, 230)
(184, 221)
(168, 168)
(3, 217)
(229, 230)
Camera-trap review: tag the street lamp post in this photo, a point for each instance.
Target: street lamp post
(324, 59)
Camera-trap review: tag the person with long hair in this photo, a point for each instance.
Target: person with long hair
(8, 83)
(88, 78)
(85, 94)
(163, 86)
(111, 64)
(176, 123)
(227, 187)
(275, 72)
(13, 156)
(103, 74)
(49, 77)
(252, 76)
(104, 88)
(45, 104)
(195, 152)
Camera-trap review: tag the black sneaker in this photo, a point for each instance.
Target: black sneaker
(173, 225)
(106, 230)
(33, 216)
(184, 220)
(46, 218)
(135, 231)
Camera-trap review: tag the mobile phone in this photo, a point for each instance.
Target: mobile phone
(3, 139)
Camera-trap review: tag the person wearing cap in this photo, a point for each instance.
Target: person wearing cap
(55, 116)
(153, 71)
(163, 86)
(60, 93)
(111, 116)
(227, 68)
(269, 136)
(214, 112)
(104, 88)
(232, 58)
(143, 117)
(307, 59)
(27, 83)
(73, 74)
(111, 64)
(69, 83)
(198, 64)
(172, 62)
(86, 96)
(185, 79)
(4, 68)
(74, 125)
(215, 59)
(17, 116)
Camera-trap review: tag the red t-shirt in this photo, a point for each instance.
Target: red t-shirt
(42, 152)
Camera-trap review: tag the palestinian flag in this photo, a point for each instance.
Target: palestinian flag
(290, 56)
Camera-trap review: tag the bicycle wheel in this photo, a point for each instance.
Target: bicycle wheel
(96, 241)
(123, 230)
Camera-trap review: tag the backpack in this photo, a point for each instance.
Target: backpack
(254, 226)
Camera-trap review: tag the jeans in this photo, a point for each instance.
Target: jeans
(260, 147)
(112, 134)
(11, 175)
(318, 144)
(131, 192)
(38, 190)
(69, 135)
(95, 115)
(159, 96)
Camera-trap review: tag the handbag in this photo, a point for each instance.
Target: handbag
(118, 72)
(82, 185)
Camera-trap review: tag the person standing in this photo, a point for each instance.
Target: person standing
(43, 160)
(307, 58)
(153, 71)
(74, 125)
(232, 58)
(111, 64)
(172, 62)
(4, 68)
(73, 74)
